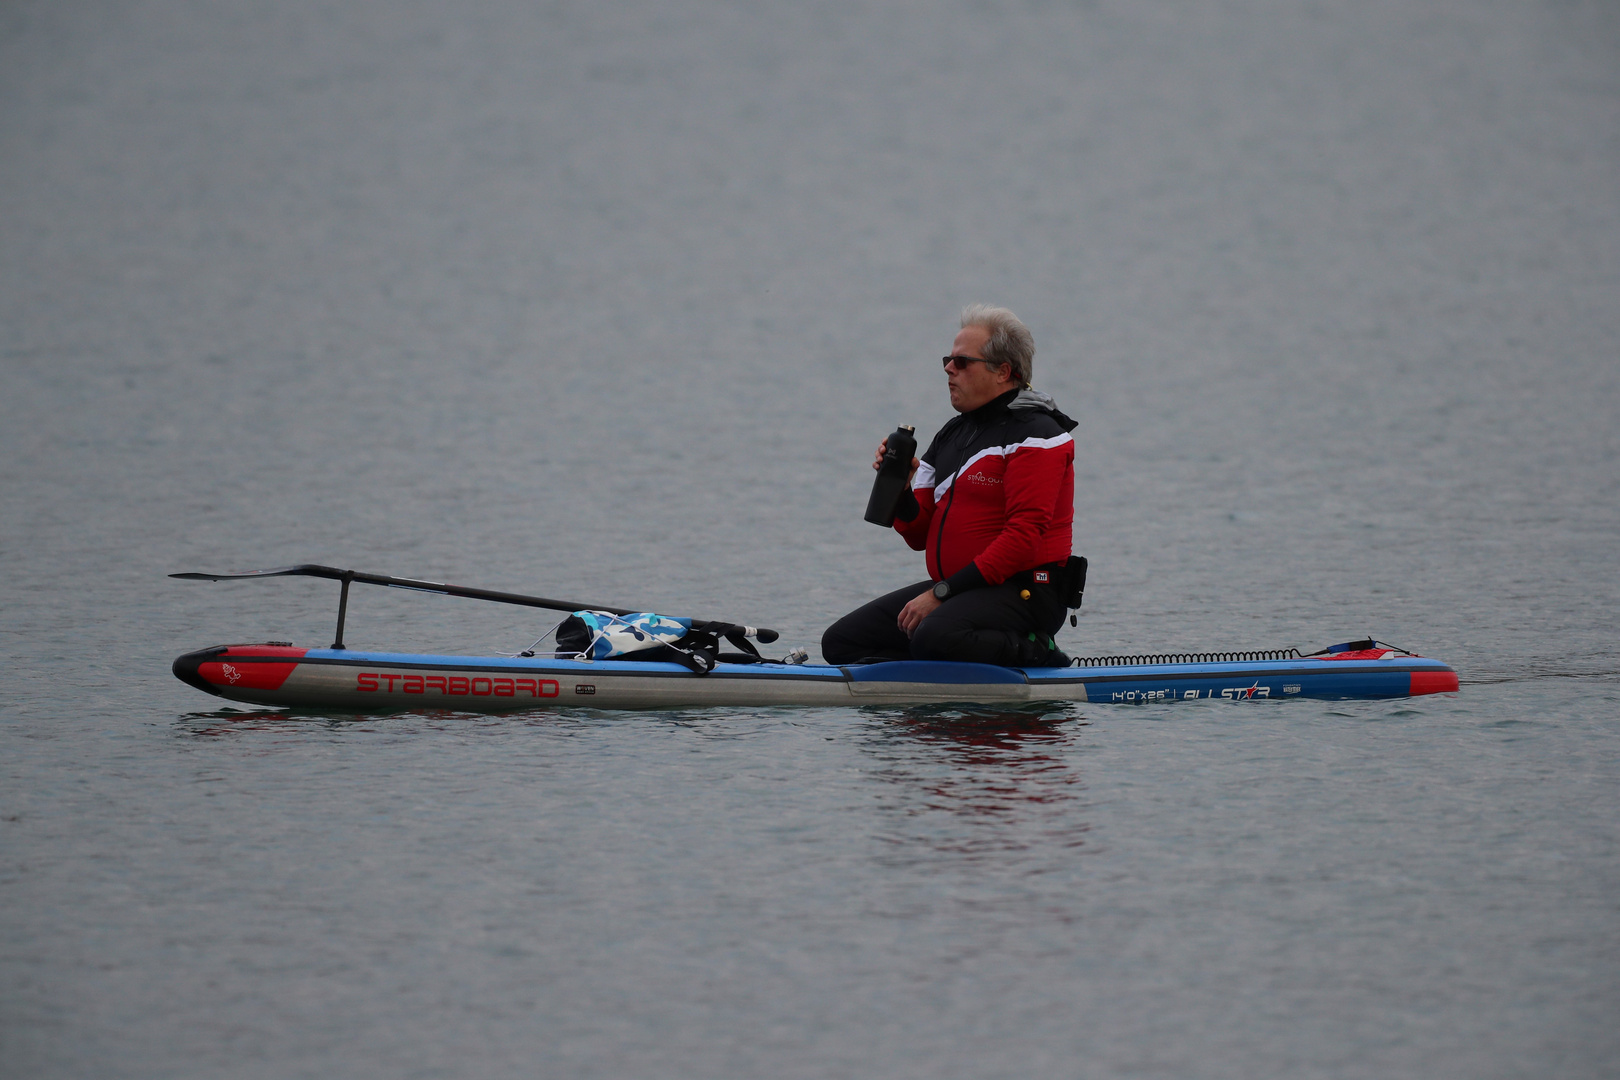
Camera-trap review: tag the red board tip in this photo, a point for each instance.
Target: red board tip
(1434, 682)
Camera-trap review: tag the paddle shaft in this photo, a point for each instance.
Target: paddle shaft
(347, 576)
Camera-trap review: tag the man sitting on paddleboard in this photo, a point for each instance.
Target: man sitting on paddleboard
(991, 504)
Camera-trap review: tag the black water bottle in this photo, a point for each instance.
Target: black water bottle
(893, 476)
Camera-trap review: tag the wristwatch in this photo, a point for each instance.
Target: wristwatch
(942, 590)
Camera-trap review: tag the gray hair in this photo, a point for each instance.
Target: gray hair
(1010, 340)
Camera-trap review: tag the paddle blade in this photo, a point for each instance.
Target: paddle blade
(301, 570)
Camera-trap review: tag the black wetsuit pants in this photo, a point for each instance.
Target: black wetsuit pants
(987, 626)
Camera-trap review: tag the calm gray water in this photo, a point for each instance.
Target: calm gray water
(612, 301)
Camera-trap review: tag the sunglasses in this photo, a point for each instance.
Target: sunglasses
(962, 362)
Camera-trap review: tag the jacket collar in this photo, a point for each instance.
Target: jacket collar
(993, 408)
(1019, 399)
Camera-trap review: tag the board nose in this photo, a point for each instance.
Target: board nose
(187, 668)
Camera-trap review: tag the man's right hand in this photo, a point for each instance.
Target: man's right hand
(883, 448)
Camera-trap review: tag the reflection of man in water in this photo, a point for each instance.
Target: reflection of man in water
(991, 505)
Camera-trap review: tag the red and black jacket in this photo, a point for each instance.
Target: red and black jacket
(994, 494)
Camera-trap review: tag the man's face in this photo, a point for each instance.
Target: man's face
(975, 384)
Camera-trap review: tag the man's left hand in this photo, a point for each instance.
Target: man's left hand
(918, 610)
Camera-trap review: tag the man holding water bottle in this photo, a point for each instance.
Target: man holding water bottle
(991, 506)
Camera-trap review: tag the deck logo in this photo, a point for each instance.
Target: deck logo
(457, 685)
(230, 673)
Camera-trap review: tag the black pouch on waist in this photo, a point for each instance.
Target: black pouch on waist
(1072, 583)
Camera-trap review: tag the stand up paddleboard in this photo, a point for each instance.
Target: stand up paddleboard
(343, 679)
(369, 682)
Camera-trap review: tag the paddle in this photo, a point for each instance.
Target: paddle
(346, 576)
